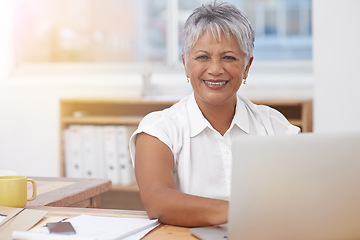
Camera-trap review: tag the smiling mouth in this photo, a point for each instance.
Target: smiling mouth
(217, 83)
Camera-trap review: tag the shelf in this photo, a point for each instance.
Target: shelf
(126, 120)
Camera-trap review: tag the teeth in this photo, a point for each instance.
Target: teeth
(216, 83)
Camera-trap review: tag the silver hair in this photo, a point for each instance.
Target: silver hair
(217, 18)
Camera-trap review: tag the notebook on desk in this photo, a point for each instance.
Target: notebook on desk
(298, 187)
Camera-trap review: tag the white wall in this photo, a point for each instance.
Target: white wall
(29, 120)
(336, 47)
(5, 37)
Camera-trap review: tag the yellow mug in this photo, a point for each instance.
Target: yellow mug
(13, 191)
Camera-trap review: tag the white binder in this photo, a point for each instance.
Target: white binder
(73, 151)
(112, 168)
(127, 175)
(92, 152)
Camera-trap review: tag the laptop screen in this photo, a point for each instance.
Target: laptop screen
(304, 186)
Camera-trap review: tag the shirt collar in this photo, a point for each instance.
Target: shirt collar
(241, 117)
(198, 122)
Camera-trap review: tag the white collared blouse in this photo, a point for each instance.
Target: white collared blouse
(202, 155)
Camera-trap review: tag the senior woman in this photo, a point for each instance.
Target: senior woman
(182, 155)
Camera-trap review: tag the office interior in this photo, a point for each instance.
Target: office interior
(31, 88)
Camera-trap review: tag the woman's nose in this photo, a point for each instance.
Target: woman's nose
(215, 67)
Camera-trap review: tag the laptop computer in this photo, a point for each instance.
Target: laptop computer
(299, 187)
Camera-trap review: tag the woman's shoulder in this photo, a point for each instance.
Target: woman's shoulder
(259, 108)
(172, 115)
(167, 125)
(269, 116)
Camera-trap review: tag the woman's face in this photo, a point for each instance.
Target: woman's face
(216, 69)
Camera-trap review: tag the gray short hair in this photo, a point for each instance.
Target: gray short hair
(217, 18)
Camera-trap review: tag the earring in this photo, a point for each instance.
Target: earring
(244, 81)
(188, 79)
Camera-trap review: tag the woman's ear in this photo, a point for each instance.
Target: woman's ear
(183, 60)
(247, 68)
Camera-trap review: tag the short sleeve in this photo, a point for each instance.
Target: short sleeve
(155, 125)
(280, 124)
(275, 122)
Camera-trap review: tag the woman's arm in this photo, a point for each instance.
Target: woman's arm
(154, 166)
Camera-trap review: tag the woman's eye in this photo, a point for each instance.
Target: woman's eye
(229, 58)
(203, 57)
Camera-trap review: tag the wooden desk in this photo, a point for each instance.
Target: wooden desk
(69, 192)
(162, 232)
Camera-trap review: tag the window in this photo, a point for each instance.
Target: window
(138, 31)
(282, 28)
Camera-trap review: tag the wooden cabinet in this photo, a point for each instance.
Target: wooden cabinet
(126, 112)
(131, 111)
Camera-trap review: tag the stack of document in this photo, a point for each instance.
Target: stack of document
(99, 152)
(95, 228)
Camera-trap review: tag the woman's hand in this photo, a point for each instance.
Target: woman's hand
(154, 170)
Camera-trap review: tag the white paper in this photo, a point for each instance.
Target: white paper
(99, 228)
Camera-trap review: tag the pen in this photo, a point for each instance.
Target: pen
(61, 220)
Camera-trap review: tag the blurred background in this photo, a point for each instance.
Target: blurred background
(54, 49)
(139, 31)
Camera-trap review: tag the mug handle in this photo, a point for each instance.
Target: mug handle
(34, 189)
